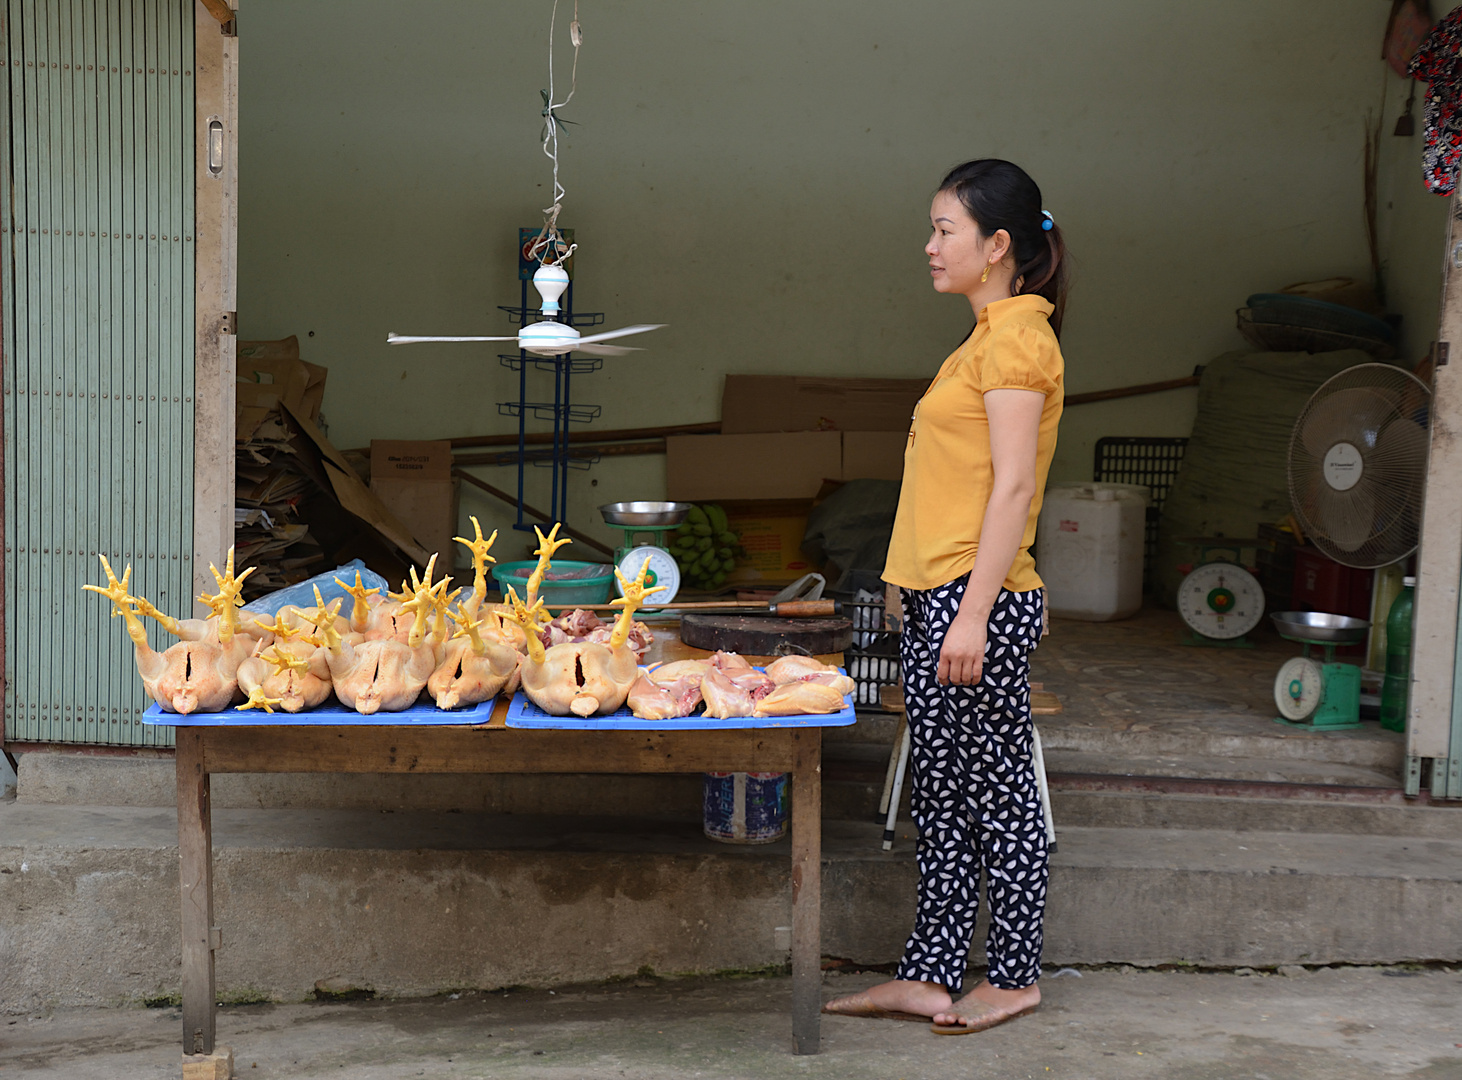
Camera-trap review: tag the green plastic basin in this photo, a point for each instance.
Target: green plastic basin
(588, 590)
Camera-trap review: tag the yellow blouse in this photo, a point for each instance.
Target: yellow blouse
(948, 475)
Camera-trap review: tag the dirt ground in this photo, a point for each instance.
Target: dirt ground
(1099, 1024)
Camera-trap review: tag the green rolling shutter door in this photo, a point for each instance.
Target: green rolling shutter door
(96, 219)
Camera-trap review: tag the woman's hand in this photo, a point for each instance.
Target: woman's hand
(962, 656)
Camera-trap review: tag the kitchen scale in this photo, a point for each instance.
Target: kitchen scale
(1219, 600)
(644, 525)
(1320, 695)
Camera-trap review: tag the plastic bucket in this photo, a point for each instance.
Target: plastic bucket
(579, 590)
(745, 808)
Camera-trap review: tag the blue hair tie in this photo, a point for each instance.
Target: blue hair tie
(1049, 222)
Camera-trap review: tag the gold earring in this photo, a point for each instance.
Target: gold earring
(986, 275)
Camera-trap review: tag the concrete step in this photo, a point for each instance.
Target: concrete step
(1258, 739)
(421, 902)
(1200, 767)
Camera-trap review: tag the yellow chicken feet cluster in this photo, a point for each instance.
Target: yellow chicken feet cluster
(193, 675)
(547, 545)
(531, 618)
(258, 700)
(480, 558)
(360, 611)
(228, 598)
(123, 602)
(632, 600)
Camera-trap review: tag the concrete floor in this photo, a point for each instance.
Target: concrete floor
(1137, 700)
(1332, 1023)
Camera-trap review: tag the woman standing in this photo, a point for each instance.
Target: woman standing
(979, 450)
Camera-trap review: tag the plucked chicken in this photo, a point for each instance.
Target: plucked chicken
(385, 674)
(478, 662)
(195, 675)
(292, 673)
(584, 677)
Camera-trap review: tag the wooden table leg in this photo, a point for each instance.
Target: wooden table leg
(195, 875)
(807, 893)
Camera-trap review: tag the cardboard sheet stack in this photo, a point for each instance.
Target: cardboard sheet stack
(271, 482)
(299, 506)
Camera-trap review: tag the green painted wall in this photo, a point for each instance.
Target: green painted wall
(757, 174)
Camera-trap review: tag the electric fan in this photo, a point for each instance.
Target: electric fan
(551, 336)
(1357, 466)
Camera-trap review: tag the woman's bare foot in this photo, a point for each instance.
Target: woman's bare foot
(896, 996)
(989, 1003)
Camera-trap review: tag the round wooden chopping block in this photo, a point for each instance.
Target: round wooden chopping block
(753, 635)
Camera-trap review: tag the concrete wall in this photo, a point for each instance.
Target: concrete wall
(757, 175)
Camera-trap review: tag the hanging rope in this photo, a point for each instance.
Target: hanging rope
(549, 246)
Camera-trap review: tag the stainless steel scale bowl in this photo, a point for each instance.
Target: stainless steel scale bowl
(645, 515)
(640, 519)
(1320, 628)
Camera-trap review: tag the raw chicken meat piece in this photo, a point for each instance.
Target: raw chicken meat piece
(739, 671)
(650, 699)
(679, 669)
(582, 625)
(582, 678)
(789, 669)
(724, 699)
(194, 675)
(802, 697)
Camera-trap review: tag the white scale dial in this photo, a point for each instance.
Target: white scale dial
(663, 571)
(1298, 688)
(1221, 600)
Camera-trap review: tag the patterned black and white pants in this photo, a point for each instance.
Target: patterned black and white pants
(974, 794)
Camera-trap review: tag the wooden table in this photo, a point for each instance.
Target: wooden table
(495, 748)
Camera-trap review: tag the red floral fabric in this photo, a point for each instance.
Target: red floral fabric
(1438, 62)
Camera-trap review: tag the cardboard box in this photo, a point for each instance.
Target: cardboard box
(752, 404)
(414, 480)
(710, 468)
(271, 373)
(771, 531)
(333, 473)
(785, 465)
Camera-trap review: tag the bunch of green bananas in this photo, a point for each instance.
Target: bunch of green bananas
(705, 547)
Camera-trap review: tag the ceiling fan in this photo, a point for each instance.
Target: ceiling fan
(550, 337)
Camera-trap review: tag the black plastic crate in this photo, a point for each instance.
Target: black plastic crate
(873, 658)
(1139, 459)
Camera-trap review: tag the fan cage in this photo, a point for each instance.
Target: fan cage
(1377, 521)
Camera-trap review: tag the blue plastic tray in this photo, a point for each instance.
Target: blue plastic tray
(332, 713)
(522, 713)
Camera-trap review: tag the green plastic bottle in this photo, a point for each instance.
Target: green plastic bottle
(1396, 689)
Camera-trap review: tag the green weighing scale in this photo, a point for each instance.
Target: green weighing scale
(1312, 694)
(644, 525)
(1219, 600)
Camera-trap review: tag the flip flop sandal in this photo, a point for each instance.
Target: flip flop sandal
(984, 1022)
(858, 1005)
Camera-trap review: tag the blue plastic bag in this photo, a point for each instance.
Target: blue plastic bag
(302, 593)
